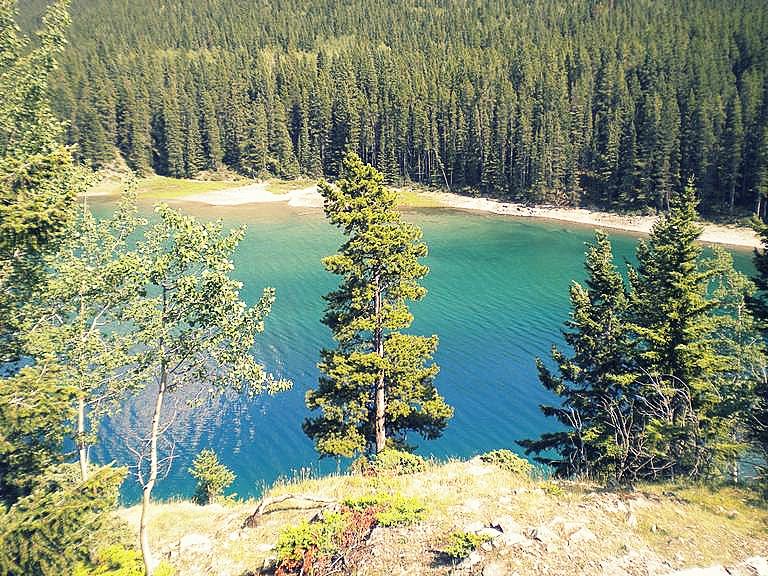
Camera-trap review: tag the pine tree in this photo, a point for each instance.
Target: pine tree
(672, 319)
(378, 383)
(596, 383)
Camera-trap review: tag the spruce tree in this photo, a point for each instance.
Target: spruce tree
(377, 384)
(673, 322)
(595, 383)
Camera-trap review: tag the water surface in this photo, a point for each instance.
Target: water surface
(498, 295)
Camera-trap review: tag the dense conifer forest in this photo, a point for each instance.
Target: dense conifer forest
(607, 103)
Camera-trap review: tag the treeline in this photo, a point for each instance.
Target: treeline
(608, 103)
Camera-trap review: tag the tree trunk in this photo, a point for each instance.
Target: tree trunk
(378, 342)
(82, 447)
(146, 551)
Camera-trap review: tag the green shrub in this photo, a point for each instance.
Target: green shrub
(509, 461)
(117, 560)
(389, 462)
(392, 509)
(552, 488)
(294, 541)
(211, 475)
(462, 544)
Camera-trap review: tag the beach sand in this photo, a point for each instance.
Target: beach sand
(730, 235)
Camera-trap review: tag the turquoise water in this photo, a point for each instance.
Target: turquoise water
(498, 295)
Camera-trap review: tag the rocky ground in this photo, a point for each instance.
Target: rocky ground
(534, 527)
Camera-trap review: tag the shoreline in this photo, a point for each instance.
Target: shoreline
(729, 235)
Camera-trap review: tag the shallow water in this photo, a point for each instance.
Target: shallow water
(498, 295)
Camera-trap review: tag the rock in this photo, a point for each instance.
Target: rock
(583, 534)
(269, 566)
(544, 535)
(489, 532)
(195, 544)
(473, 559)
(474, 527)
(263, 548)
(711, 571)
(631, 520)
(514, 539)
(495, 569)
(506, 524)
(755, 566)
(487, 546)
(471, 505)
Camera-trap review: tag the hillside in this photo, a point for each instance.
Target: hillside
(537, 526)
(602, 103)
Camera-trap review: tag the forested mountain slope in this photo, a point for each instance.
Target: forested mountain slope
(610, 103)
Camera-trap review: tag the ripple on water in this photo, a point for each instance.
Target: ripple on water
(498, 295)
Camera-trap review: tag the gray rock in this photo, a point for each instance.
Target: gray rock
(495, 569)
(474, 527)
(473, 559)
(515, 539)
(506, 524)
(195, 543)
(489, 532)
(544, 534)
(759, 564)
(583, 534)
(711, 571)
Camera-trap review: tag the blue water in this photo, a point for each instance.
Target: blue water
(498, 295)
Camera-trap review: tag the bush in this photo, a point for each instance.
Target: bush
(117, 560)
(391, 509)
(311, 547)
(509, 461)
(389, 462)
(462, 544)
(211, 475)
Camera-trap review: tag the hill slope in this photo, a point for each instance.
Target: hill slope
(541, 527)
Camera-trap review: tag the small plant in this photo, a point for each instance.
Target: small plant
(211, 475)
(552, 488)
(509, 461)
(318, 547)
(462, 544)
(389, 462)
(391, 509)
(117, 560)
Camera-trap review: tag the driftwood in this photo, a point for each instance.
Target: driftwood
(301, 503)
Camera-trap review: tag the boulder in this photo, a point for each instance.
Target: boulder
(506, 524)
(195, 544)
(473, 559)
(711, 571)
(583, 534)
(544, 534)
(495, 569)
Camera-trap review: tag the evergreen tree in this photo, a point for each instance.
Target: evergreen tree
(596, 384)
(672, 320)
(378, 383)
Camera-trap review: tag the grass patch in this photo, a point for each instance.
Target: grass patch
(276, 186)
(413, 199)
(162, 187)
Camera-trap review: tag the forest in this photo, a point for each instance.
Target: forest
(607, 103)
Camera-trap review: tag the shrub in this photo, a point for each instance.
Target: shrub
(389, 462)
(462, 544)
(117, 560)
(322, 537)
(391, 509)
(312, 547)
(211, 475)
(509, 461)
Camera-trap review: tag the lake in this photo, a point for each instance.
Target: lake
(498, 296)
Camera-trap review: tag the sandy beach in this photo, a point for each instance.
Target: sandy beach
(730, 235)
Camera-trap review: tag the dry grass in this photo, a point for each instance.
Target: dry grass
(276, 186)
(650, 531)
